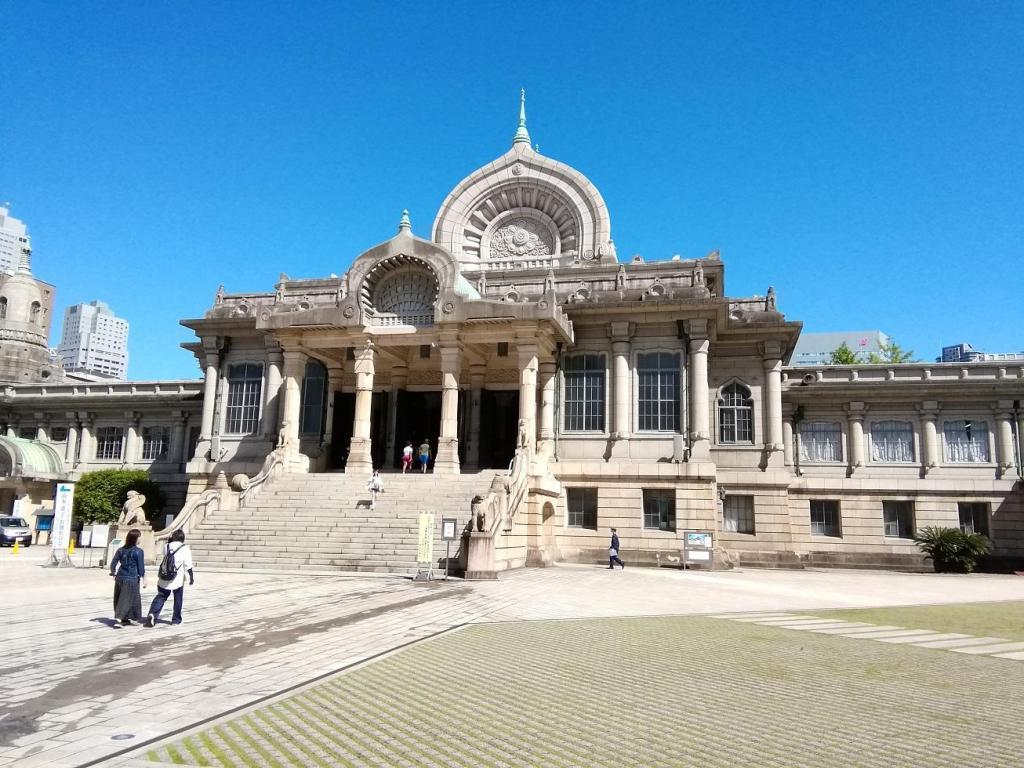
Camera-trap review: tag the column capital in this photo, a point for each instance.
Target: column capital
(698, 328)
(855, 410)
(699, 346)
(929, 409)
(770, 350)
(621, 331)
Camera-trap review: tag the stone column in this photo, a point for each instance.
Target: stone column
(930, 439)
(211, 361)
(477, 372)
(131, 438)
(334, 375)
(700, 428)
(620, 334)
(291, 401)
(176, 446)
(773, 403)
(787, 440)
(855, 420)
(528, 391)
(359, 458)
(72, 441)
(12, 429)
(272, 397)
(447, 460)
(547, 406)
(42, 428)
(1004, 440)
(86, 450)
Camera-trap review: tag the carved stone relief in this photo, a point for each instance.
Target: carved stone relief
(521, 237)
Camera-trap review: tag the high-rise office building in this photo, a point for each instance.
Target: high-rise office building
(94, 340)
(13, 239)
(816, 348)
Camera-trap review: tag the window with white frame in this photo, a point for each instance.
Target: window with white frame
(898, 518)
(973, 517)
(245, 385)
(109, 442)
(314, 389)
(658, 391)
(825, 517)
(584, 393)
(966, 442)
(821, 442)
(154, 443)
(738, 514)
(581, 507)
(892, 442)
(659, 509)
(735, 415)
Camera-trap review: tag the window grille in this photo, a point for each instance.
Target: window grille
(735, 415)
(581, 504)
(584, 393)
(973, 517)
(892, 442)
(966, 442)
(154, 443)
(109, 442)
(659, 509)
(245, 385)
(898, 518)
(658, 396)
(824, 517)
(821, 441)
(738, 514)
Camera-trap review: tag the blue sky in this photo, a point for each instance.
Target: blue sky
(865, 159)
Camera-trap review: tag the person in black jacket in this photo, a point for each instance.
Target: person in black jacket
(127, 578)
(613, 552)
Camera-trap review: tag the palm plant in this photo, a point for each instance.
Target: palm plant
(950, 549)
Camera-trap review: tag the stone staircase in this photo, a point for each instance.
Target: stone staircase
(324, 522)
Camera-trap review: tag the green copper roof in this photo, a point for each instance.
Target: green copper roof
(32, 459)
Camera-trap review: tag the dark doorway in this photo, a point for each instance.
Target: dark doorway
(418, 417)
(341, 429)
(499, 416)
(379, 428)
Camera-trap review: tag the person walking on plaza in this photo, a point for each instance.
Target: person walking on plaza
(128, 569)
(407, 456)
(425, 456)
(613, 552)
(171, 578)
(375, 486)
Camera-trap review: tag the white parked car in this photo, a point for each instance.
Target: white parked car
(14, 529)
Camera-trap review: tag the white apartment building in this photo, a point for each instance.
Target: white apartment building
(94, 340)
(13, 238)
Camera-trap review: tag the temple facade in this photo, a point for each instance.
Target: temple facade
(587, 391)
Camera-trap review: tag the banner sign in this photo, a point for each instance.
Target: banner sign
(425, 548)
(63, 500)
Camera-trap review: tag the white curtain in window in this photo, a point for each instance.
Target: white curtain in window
(966, 441)
(892, 441)
(821, 441)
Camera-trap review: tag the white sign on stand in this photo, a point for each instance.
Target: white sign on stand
(60, 535)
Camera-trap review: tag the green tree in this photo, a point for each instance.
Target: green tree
(843, 355)
(100, 495)
(891, 353)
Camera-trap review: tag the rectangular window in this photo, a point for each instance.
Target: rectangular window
(245, 384)
(582, 507)
(27, 433)
(154, 443)
(658, 395)
(821, 441)
(973, 517)
(314, 399)
(892, 442)
(59, 435)
(825, 517)
(502, 349)
(109, 441)
(659, 509)
(966, 442)
(738, 514)
(584, 393)
(898, 517)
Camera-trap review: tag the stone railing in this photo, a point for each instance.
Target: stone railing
(865, 373)
(192, 514)
(273, 466)
(497, 509)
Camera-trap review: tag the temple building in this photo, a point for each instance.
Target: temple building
(562, 391)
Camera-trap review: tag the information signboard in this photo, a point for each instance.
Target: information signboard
(425, 545)
(60, 536)
(698, 547)
(448, 528)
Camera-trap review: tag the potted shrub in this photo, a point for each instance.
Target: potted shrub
(950, 549)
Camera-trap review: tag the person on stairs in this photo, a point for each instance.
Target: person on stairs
(171, 578)
(613, 552)
(425, 456)
(407, 456)
(375, 486)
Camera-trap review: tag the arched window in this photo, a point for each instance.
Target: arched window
(35, 312)
(735, 415)
(314, 400)
(3, 307)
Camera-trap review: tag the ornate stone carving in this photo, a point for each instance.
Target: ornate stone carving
(518, 169)
(521, 237)
(349, 311)
(132, 512)
(698, 274)
(448, 308)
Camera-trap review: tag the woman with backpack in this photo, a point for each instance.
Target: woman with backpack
(171, 578)
(128, 568)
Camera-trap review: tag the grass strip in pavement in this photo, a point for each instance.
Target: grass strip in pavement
(999, 619)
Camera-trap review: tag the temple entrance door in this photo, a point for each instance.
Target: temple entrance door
(499, 416)
(379, 429)
(341, 429)
(418, 417)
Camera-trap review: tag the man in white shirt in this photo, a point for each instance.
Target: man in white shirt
(177, 562)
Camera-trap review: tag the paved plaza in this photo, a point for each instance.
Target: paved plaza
(501, 678)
